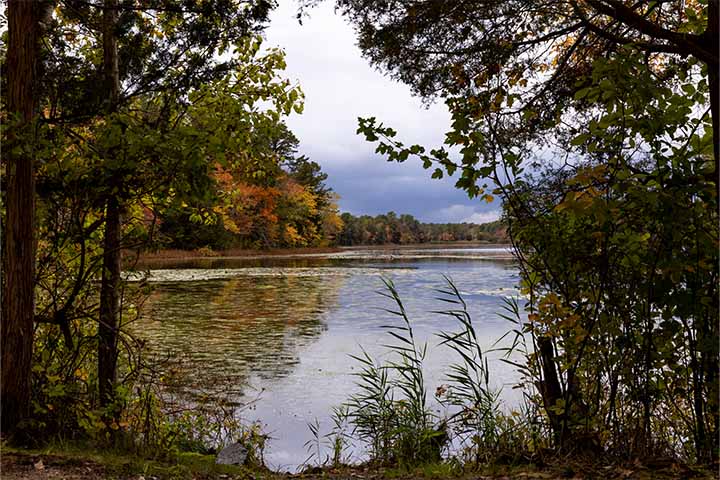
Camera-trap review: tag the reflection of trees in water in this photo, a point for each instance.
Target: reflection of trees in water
(227, 330)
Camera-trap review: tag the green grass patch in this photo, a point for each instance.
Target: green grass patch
(110, 463)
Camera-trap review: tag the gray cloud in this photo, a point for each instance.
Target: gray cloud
(340, 86)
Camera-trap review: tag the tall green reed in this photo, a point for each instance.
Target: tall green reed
(474, 404)
(337, 441)
(391, 412)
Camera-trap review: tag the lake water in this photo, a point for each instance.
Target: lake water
(281, 330)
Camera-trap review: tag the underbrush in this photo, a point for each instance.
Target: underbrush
(402, 429)
(150, 416)
(462, 428)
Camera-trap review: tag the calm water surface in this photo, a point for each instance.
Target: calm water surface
(280, 330)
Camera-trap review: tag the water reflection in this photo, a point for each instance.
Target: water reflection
(288, 325)
(227, 329)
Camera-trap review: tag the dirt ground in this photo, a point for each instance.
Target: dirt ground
(29, 467)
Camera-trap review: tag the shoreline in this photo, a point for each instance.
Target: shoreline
(171, 255)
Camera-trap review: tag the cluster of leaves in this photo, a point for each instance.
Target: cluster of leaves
(406, 229)
(631, 309)
(592, 122)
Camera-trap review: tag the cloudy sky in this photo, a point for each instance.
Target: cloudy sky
(340, 86)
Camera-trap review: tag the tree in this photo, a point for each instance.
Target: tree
(285, 145)
(623, 286)
(121, 102)
(108, 321)
(155, 52)
(18, 307)
(509, 70)
(264, 195)
(405, 229)
(596, 123)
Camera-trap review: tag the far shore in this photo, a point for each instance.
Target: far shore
(174, 255)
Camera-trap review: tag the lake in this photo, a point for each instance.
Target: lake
(280, 330)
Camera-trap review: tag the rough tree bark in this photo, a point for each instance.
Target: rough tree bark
(19, 243)
(110, 287)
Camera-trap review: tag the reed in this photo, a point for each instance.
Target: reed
(391, 413)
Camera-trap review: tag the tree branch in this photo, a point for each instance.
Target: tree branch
(684, 42)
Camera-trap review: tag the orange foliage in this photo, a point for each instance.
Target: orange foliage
(286, 214)
(247, 210)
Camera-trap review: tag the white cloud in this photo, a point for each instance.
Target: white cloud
(340, 85)
(459, 213)
(453, 213)
(483, 217)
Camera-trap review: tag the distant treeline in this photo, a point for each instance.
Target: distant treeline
(406, 229)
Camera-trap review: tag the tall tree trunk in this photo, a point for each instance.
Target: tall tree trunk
(109, 303)
(710, 359)
(551, 390)
(18, 300)
(110, 287)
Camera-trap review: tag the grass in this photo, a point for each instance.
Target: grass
(83, 462)
(94, 463)
(390, 413)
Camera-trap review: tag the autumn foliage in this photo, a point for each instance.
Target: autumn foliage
(286, 214)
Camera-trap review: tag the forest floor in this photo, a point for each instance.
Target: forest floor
(88, 465)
